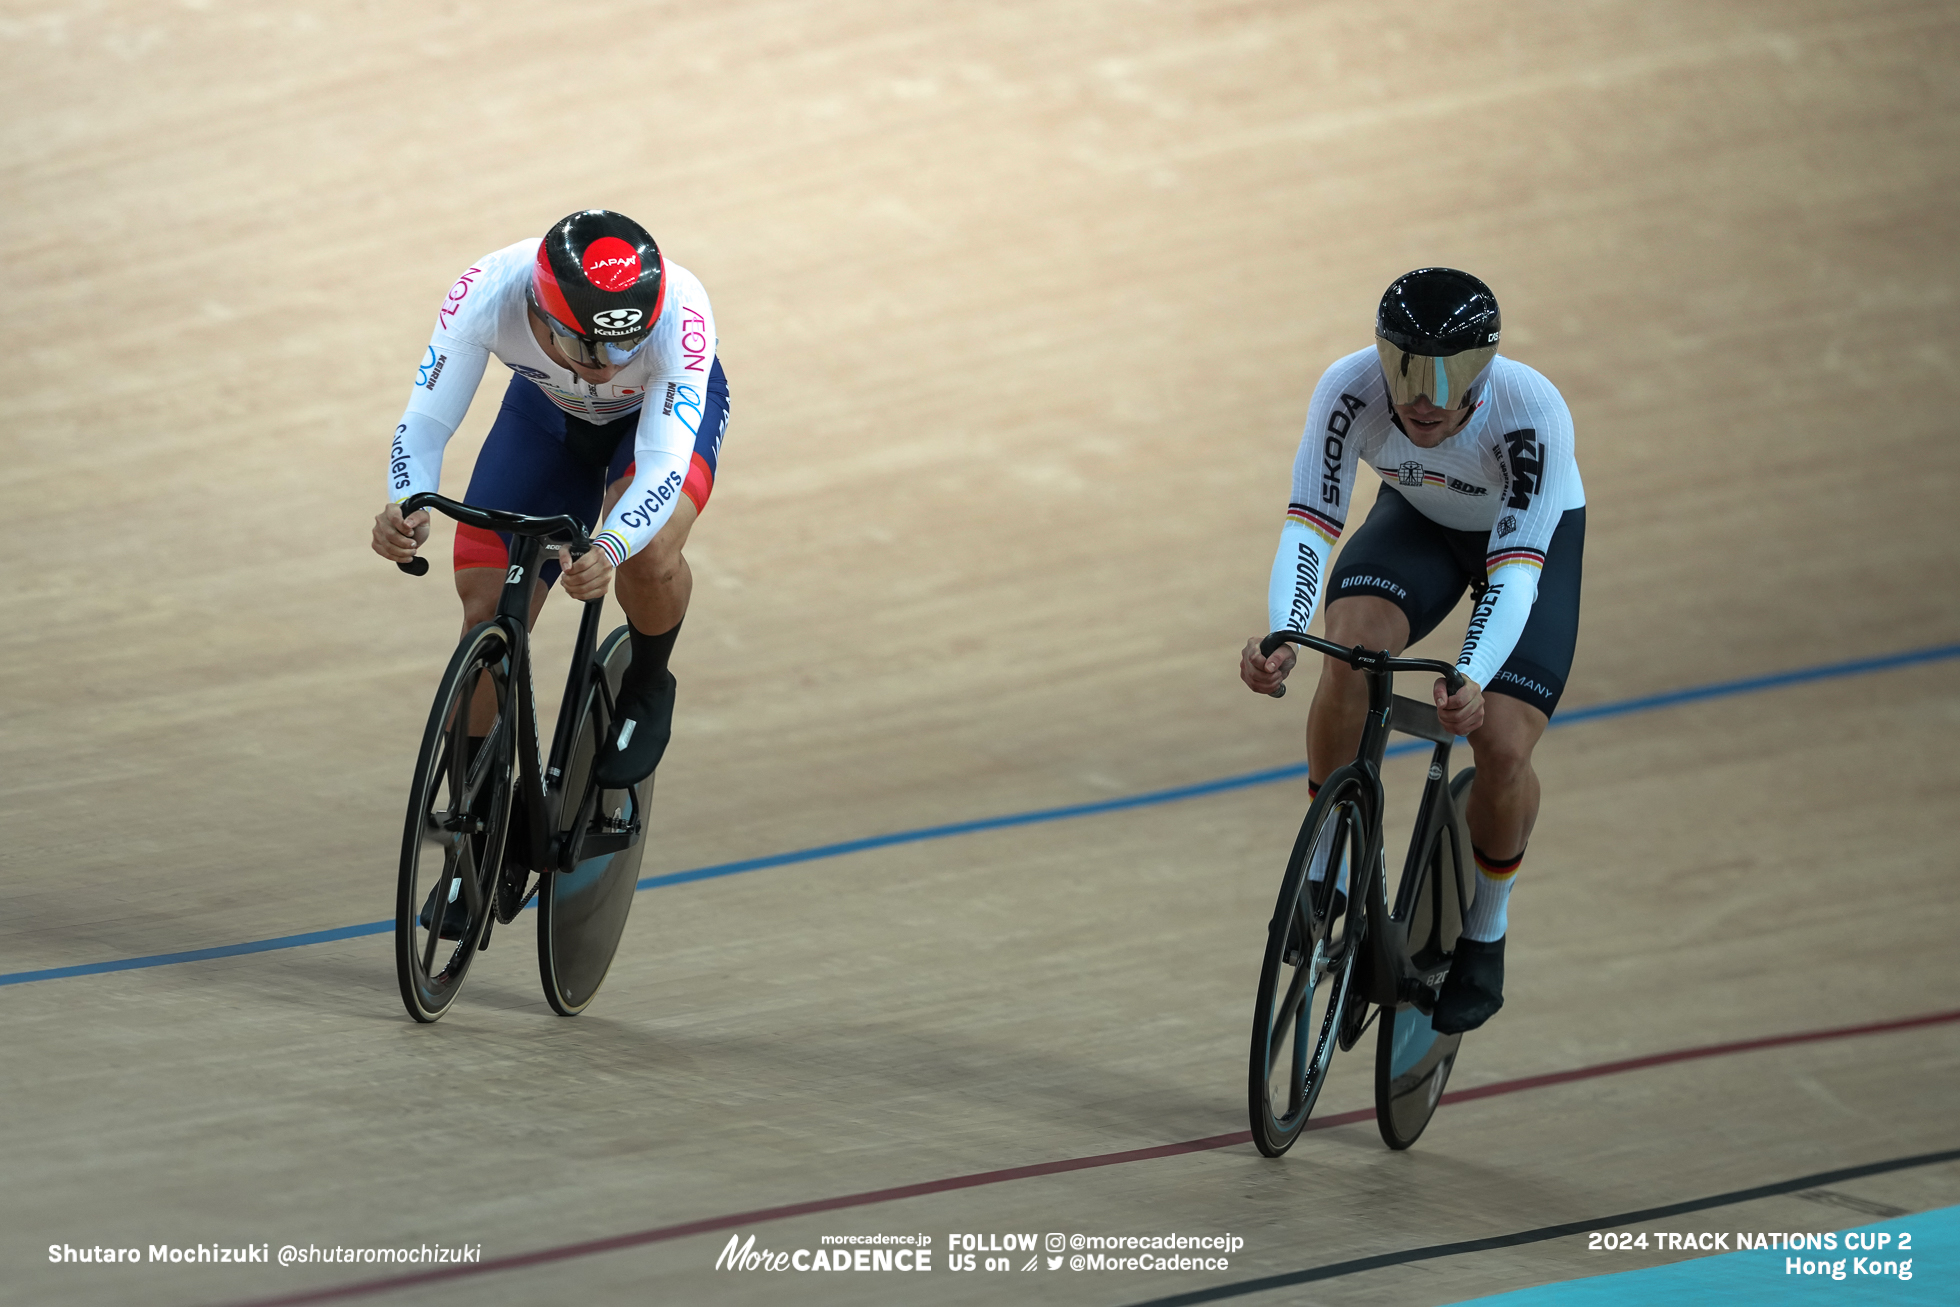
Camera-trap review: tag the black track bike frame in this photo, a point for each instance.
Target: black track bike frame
(538, 781)
(1384, 972)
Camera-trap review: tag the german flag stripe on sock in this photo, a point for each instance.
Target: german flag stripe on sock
(1491, 867)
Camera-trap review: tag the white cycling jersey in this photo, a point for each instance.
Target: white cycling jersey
(485, 313)
(1509, 472)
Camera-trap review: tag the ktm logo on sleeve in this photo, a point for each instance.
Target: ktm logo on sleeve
(1527, 466)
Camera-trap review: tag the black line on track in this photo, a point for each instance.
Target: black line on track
(1336, 1270)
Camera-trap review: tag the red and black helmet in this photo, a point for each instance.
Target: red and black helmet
(598, 284)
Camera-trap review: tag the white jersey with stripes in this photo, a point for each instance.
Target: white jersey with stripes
(1510, 472)
(485, 313)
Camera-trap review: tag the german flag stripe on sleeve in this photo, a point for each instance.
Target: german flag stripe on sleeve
(1326, 527)
(1504, 557)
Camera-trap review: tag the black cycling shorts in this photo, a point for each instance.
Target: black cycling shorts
(1423, 569)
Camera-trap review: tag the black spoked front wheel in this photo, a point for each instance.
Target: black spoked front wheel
(1412, 1061)
(582, 910)
(1304, 981)
(458, 815)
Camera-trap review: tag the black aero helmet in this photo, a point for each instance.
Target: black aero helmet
(598, 284)
(1436, 331)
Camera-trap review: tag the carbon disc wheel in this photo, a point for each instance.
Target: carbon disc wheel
(582, 909)
(1413, 1062)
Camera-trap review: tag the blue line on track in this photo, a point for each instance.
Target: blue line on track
(1621, 708)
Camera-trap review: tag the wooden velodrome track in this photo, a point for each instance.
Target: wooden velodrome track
(1021, 306)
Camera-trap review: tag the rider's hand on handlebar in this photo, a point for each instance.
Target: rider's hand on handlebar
(1263, 674)
(588, 576)
(1462, 712)
(396, 538)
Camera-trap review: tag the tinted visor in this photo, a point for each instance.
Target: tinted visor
(1445, 381)
(592, 353)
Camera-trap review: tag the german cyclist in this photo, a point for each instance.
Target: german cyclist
(616, 408)
(1480, 489)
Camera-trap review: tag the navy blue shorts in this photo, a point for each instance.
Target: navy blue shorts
(540, 460)
(1423, 569)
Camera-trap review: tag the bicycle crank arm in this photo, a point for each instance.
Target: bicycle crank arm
(606, 842)
(601, 837)
(1421, 992)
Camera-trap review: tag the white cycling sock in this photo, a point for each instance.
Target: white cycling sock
(1489, 917)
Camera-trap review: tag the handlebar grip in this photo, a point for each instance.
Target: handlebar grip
(415, 566)
(1266, 647)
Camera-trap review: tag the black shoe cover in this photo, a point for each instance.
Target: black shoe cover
(454, 919)
(646, 721)
(1474, 990)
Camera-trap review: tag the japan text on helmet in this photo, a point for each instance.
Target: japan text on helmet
(598, 283)
(1436, 332)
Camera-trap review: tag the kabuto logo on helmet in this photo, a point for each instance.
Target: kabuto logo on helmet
(616, 319)
(611, 264)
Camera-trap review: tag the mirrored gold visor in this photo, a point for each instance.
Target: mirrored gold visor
(1445, 381)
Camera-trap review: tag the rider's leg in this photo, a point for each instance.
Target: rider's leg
(1518, 704)
(1502, 807)
(654, 587)
(479, 588)
(1340, 703)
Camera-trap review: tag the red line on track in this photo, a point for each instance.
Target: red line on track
(715, 1224)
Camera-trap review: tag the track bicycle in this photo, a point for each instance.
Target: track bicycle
(1335, 949)
(491, 822)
